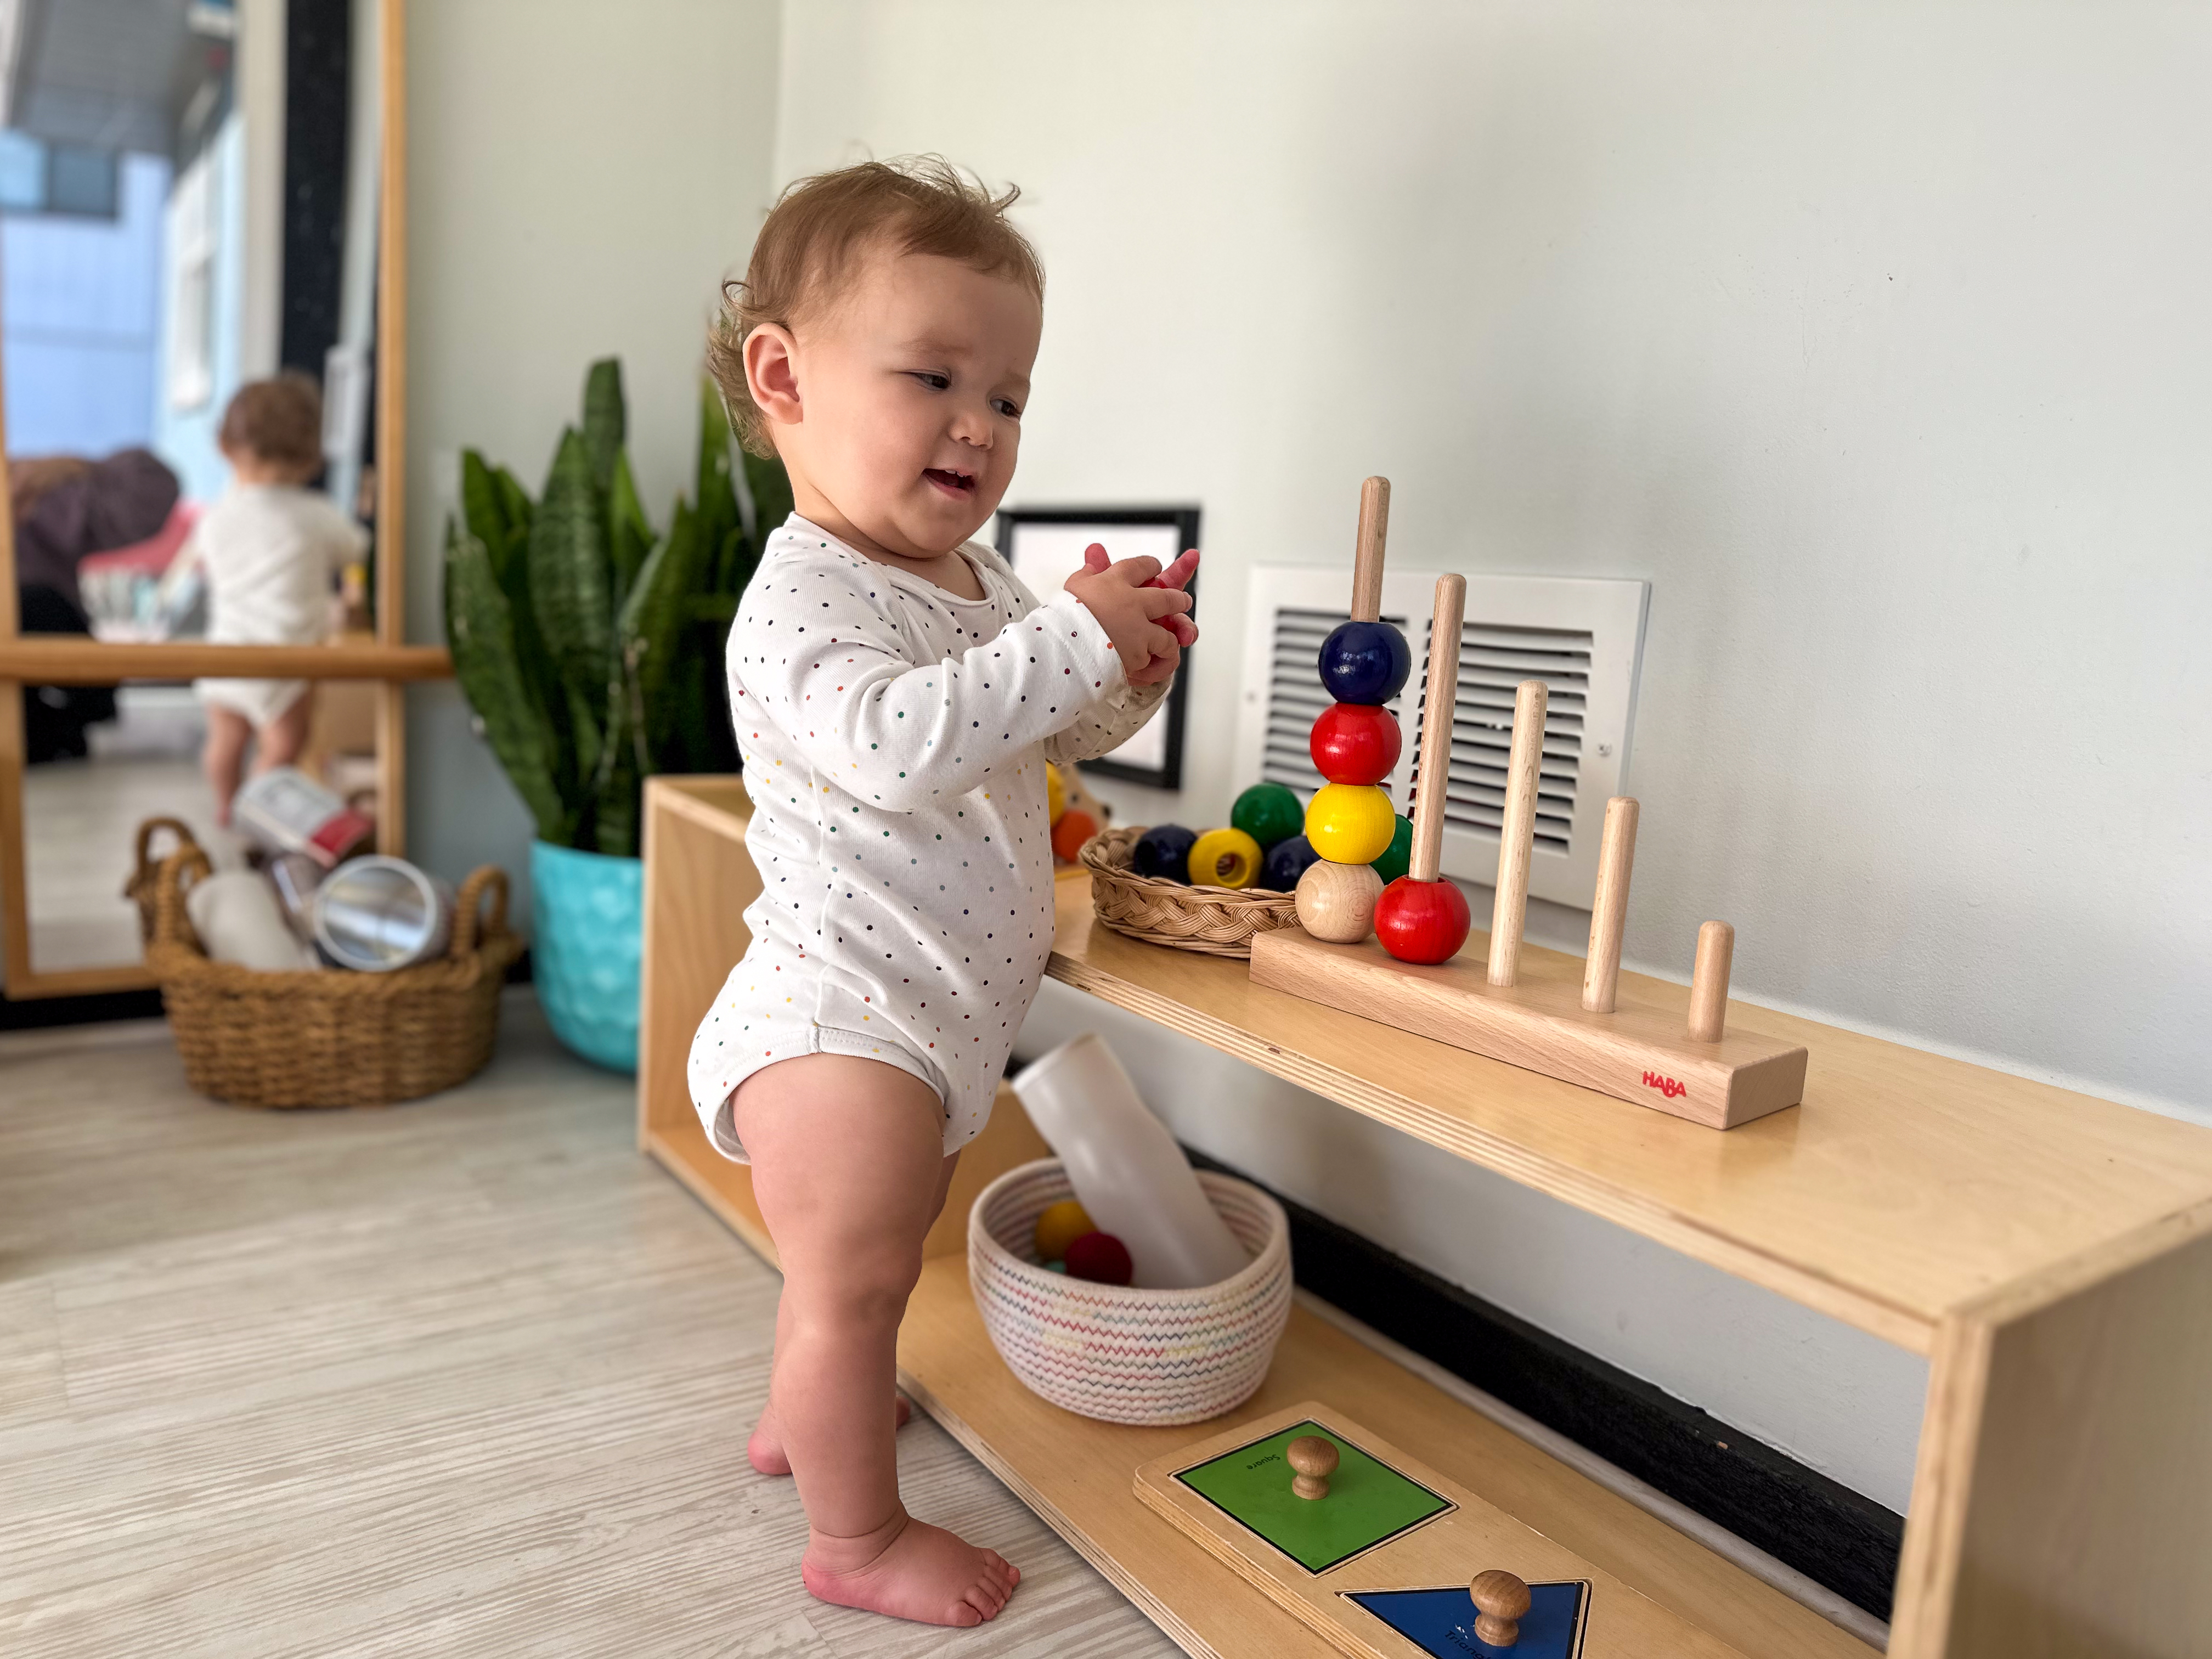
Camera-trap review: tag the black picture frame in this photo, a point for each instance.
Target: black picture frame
(1184, 520)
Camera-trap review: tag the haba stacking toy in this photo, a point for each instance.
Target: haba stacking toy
(1411, 977)
(1350, 822)
(1386, 1559)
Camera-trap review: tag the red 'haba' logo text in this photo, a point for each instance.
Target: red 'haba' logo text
(1665, 1086)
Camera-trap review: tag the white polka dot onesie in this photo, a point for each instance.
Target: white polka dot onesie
(893, 738)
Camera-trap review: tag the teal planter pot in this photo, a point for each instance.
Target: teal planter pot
(584, 954)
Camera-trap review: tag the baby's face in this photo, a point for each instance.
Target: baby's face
(910, 388)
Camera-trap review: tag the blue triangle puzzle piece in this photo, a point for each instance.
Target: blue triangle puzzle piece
(1441, 1622)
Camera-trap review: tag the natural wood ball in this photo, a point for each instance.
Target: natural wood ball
(1336, 901)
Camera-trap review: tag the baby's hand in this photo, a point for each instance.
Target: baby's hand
(1141, 608)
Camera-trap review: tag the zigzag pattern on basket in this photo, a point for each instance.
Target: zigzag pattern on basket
(1117, 1352)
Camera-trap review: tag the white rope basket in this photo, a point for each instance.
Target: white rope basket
(1114, 1352)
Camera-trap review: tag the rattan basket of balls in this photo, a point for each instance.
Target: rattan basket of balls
(1218, 920)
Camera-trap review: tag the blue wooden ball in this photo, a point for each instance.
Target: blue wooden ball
(1365, 662)
(1286, 862)
(1164, 850)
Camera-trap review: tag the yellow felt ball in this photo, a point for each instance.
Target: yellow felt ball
(1056, 792)
(1351, 823)
(1225, 857)
(1059, 1226)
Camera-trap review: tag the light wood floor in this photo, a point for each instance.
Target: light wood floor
(467, 1376)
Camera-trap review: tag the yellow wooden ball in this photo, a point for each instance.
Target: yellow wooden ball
(1225, 857)
(1351, 823)
(1059, 1226)
(1056, 792)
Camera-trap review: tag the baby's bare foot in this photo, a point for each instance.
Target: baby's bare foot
(923, 1573)
(764, 1451)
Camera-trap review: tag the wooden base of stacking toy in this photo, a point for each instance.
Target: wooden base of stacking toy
(1392, 1559)
(1632, 1053)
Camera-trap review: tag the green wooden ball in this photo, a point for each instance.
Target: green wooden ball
(1399, 856)
(1269, 813)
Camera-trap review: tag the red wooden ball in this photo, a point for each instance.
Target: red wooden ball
(1355, 743)
(1423, 921)
(1101, 1258)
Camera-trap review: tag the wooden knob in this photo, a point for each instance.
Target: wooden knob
(1314, 1460)
(1501, 1603)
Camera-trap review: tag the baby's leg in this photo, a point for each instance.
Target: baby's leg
(279, 743)
(223, 756)
(848, 1166)
(764, 1449)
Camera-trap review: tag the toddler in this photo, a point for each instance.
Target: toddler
(271, 548)
(897, 693)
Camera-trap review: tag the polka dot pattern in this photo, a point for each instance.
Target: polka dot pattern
(895, 737)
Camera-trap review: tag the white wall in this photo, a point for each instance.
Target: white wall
(1875, 338)
(581, 178)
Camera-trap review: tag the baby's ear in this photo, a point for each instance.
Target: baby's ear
(772, 372)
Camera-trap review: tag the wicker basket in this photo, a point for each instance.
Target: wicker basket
(1114, 1351)
(1219, 920)
(331, 1038)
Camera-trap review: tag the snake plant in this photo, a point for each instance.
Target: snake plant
(589, 645)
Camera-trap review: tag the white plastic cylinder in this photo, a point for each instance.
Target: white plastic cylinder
(1128, 1173)
(237, 919)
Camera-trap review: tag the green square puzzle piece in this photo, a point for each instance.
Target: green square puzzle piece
(1368, 1500)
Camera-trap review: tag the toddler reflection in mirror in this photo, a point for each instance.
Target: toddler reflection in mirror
(897, 693)
(271, 549)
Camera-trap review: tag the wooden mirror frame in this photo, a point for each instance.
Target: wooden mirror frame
(388, 659)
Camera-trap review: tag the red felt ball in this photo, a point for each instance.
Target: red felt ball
(1101, 1258)
(1355, 743)
(1422, 921)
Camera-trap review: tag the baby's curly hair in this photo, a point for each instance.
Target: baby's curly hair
(279, 419)
(803, 255)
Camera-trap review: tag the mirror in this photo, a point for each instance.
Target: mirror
(189, 206)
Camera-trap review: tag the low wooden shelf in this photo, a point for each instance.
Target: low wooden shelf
(2049, 1252)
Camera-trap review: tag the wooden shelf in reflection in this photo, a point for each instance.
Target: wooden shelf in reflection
(55, 660)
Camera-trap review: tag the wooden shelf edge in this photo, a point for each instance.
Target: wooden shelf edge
(673, 1157)
(1895, 1324)
(38, 660)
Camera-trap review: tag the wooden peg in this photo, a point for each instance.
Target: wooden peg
(1313, 1461)
(1367, 554)
(1438, 699)
(1709, 982)
(1501, 1601)
(1616, 857)
(1517, 839)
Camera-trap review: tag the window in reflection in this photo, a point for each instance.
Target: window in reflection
(162, 248)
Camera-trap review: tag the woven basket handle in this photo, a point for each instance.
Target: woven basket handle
(486, 877)
(148, 867)
(171, 924)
